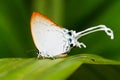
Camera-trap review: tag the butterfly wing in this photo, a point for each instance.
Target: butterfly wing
(48, 37)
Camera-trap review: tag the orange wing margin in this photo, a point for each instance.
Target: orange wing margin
(34, 14)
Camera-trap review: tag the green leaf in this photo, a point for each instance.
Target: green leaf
(48, 69)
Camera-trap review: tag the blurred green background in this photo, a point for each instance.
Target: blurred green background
(15, 35)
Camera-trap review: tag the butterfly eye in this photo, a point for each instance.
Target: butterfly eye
(69, 33)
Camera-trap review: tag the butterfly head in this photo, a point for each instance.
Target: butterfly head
(72, 40)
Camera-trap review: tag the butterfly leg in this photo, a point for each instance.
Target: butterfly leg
(80, 45)
(44, 55)
(50, 56)
(40, 55)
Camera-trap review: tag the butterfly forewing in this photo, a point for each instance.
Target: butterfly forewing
(47, 36)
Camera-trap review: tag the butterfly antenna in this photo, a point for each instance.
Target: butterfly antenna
(108, 31)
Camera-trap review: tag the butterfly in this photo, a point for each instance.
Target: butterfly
(52, 40)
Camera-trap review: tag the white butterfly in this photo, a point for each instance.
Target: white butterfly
(54, 41)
